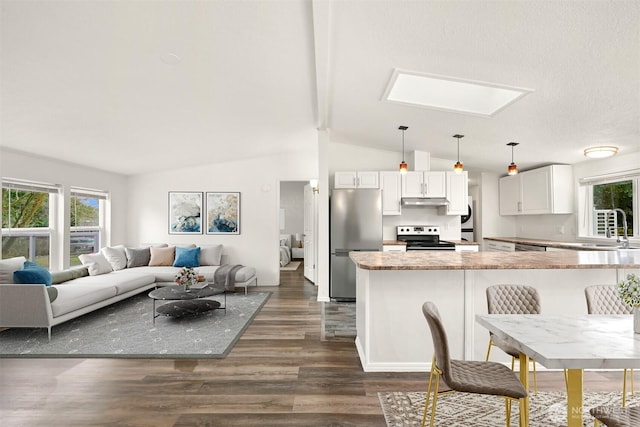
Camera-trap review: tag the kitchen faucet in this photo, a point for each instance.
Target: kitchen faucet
(624, 240)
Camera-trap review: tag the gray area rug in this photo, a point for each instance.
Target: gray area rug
(546, 409)
(126, 329)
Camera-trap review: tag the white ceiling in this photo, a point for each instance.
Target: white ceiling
(136, 86)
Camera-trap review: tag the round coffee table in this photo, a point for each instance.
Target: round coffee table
(186, 302)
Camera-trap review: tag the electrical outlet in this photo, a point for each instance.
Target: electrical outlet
(561, 229)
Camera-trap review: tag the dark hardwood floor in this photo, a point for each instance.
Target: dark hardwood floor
(296, 365)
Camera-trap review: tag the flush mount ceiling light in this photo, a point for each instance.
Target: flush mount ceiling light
(403, 165)
(600, 151)
(458, 168)
(450, 93)
(513, 168)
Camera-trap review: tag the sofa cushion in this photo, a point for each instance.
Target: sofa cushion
(116, 256)
(137, 257)
(210, 254)
(70, 274)
(162, 256)
(32, 273)
(187, 257)
(160, 273)
(245, 273)
(129, 282)
(96, 263)
(9, 266)
(73, 297)
(115, 278)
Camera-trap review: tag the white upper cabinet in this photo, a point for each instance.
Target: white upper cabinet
(546, 190)
(353, 179)
(457, 193)
(391, 185)
(424, 184)
(510, 203)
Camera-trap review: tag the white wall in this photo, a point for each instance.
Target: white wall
(292, 201)
(489, 223)
(26, 166)
(619, 163)
(256, 179)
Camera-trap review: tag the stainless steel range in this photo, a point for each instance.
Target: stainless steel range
(423, 238)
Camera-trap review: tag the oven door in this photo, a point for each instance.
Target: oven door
(430, 248)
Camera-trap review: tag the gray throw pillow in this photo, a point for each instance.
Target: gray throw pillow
(211, 254)
(137, 257)
(53, 293)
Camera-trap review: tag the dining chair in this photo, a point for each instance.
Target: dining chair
(512, 299)
(479, 377)
(604, 299)
(614, 416)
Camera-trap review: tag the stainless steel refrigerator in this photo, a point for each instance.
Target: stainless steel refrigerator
(356, 225)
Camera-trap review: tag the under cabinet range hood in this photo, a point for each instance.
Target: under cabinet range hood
(424, 201)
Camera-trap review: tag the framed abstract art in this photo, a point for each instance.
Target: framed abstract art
(185, 212)
(223, 213)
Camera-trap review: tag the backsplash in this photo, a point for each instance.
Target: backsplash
(449, 224)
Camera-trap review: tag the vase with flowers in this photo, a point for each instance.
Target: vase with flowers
(629, 292)
(186, 277)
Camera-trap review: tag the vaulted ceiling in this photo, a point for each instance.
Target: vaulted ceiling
(135, 86)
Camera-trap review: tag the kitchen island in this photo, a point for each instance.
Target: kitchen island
(392, 334)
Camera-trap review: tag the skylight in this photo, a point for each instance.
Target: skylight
(450, 93)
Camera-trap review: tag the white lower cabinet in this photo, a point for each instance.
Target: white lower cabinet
(467, 248)
(493, 246)
(394, 248)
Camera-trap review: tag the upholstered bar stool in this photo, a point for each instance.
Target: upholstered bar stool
(512, 299)
(488, 378)
(614, 416)
(604, 299)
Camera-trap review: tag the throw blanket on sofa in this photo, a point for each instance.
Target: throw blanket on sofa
(226, 275)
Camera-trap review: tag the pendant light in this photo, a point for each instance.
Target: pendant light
(403, 165)
(513, 168)
(458, 168)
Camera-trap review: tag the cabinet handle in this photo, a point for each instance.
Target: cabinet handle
(519, 206)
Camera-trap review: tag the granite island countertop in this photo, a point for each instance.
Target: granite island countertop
(450, 260)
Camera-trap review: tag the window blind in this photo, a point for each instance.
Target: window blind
(611, 177)
(86, 192)
(22, 185)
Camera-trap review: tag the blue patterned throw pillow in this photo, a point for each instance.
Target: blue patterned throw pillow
(32, 273)
(187, 257)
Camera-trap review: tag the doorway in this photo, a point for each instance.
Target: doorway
(298, 228)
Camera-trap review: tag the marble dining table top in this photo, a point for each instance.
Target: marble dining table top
(569, 342)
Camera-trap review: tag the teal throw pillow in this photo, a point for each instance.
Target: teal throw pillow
(187, 257)
(32, 273)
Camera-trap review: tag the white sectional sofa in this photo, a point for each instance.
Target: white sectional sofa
(74, 292)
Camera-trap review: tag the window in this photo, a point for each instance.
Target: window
(87, 212)
(26, 219)
(600, 196)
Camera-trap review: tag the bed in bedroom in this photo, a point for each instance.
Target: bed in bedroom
(285, 249)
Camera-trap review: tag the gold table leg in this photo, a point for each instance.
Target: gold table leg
(574, 397)
(524, 379)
